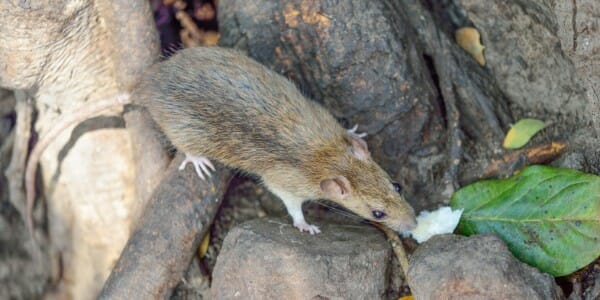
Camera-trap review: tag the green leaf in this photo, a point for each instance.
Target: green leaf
(548, 217)
(522, 132)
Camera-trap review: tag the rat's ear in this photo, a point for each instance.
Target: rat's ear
(359, 147)
(336, 188)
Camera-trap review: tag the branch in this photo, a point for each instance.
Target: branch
(513, 161)
(397, 247)
(159, 251)
(16, 169)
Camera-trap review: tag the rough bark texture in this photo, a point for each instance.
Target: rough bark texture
(537, 76)
(394, 68)
(151, 158)
(64, 54)
(16, 169)
(531, 62)
(362, 67)
(19, 277)
(579, 31)
(160, 250)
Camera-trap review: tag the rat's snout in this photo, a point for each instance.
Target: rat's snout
(405, 225)
(411, 225)
(406, 221)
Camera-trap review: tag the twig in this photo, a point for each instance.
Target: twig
(512, 161)
(16, 169)
(397, 247)
(191, 35)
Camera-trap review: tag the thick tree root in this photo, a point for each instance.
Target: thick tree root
(159, 251)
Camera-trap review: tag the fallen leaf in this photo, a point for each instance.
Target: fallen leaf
(469, 39)
(548, 217)
(204, 245)
(522, 132)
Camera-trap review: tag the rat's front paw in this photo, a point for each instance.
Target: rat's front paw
(312, 229)
(353, 131)
(201, 165)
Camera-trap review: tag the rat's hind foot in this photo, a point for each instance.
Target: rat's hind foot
(303, 226)
(353, 131)
(201, 164)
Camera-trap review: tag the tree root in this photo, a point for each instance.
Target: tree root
(159, 251)
(513, 161)
(467, 101)
(50, 136)
(16, 169)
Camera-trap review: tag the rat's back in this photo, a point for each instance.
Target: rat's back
(219, 103)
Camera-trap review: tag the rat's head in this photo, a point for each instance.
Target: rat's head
(361, 185)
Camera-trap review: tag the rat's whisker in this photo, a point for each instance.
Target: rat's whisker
(341, 211)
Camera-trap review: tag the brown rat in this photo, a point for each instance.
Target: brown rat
(219, 104)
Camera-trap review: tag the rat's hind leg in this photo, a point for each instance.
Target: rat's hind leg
(201, 164)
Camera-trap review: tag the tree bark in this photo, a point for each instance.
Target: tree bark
(65, 55)
(394, 68)
(159, 251)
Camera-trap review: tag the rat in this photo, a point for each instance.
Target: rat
(218, 104)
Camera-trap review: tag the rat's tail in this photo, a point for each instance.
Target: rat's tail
(34, 158)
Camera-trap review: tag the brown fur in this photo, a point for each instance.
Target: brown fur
(218, 103)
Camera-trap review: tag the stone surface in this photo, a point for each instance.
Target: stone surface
(267, 258)
(523, 52)
(477, 267)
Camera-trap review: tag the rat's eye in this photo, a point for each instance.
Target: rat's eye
(397, 187)
(377, 214)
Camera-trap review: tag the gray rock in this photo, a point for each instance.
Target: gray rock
(572, 160)
(477, 267)
(269, 259)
